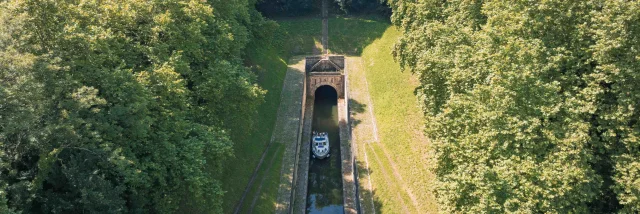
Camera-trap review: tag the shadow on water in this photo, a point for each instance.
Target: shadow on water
(325, 176)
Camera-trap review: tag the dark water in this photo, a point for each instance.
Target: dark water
(325, 176)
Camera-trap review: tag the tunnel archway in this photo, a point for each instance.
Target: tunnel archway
(316, 80)
(326, 92)
(324, 187)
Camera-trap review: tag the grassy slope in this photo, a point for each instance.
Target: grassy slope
(398, 117)
(349, 35)
(268, 60)
(298, 36)
(399, 121)
(396, 112)
(238, 170)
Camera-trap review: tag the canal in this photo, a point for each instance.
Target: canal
(325, 176)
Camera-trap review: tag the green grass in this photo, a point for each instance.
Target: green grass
(297, 36)
(400, 123)
(274, 154)
(268, 59)
(268, 195)
(270, 69)
(399, 118)
(350, 35)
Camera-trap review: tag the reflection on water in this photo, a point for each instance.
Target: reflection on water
(325, 176)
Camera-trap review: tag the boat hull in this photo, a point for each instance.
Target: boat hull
(320, 145)
(321, 156)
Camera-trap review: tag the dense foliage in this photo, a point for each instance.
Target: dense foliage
(363, 6)
(532, 106)
(279, 8)
(274, 8)
(121, 106)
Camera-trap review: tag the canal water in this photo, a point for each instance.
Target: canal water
(325, 176)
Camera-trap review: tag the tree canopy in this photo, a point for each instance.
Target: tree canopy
(279, 8)
(121, 106)
(532, 106)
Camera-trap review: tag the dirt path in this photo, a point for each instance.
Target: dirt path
(325, 28)
(287, 129)
(388, 178)
(399, 177)
(323, 46)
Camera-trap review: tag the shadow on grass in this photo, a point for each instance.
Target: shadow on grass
(268, 59)
(347, 35)
(297, 36)
(355, 107)
(244, 173)
(368, 202)
(350, 35)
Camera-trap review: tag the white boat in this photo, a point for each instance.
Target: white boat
(320, 145)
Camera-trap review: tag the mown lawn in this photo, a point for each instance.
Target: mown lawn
(400, 123)
(399, 163)
(350, 35)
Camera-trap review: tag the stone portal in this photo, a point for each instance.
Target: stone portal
(325, 70)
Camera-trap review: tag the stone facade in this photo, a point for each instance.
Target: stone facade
(312, 63)
(318, 79)
(325, 70)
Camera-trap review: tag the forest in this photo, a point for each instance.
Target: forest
(147, 106)
(531, 106)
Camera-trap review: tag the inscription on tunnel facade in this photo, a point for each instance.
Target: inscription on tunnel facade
(325, 70)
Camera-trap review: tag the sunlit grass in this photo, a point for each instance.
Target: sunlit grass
(398, 116)
(400, 123)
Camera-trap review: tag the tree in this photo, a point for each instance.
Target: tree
(122, 106)
(528, 104)
(275, 8)
(614, 90)
(362, 6)
(285, 7)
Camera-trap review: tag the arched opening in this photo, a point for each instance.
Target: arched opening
(326, 93)
(324, 190)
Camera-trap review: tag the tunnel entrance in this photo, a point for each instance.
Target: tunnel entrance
(324, 193)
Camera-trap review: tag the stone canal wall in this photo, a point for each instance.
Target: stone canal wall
(302, 177)
(292, 193)
(287, 130)
(348, 181)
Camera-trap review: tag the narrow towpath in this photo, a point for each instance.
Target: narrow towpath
(362, 125)
(287, 130)
(325, 28)
(322, 48)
